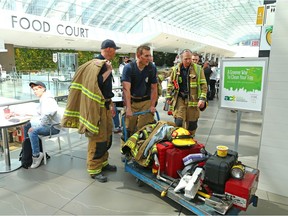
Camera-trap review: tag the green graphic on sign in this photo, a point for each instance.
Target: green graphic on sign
(247, 78)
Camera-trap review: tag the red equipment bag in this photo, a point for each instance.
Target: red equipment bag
(174, 158)
(161, 154)
(242, 190)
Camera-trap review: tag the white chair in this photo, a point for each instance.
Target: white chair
(64, 132)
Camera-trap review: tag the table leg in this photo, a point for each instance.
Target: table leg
(6, 146)
(8, 166)
(1, 144)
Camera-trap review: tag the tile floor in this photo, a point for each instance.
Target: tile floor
(63, 187)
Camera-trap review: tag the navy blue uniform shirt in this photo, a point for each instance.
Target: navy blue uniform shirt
(184, 72)
(139, 84)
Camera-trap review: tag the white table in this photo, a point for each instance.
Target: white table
(10, 164)
(118, 101)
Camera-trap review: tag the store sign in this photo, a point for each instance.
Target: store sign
(255, 43)
(270, 14)
(265, 15)
(43, 26)
(267, 26)
(55, 59)
(260, 15)
(266, 38)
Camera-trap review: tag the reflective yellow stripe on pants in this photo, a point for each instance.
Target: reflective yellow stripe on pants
(94, 166)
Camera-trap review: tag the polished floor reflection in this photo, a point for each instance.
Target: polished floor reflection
(63, 187)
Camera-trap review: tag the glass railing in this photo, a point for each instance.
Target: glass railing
(16, 85)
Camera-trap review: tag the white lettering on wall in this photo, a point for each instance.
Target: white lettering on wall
(44, 26)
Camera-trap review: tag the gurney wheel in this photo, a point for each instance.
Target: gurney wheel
(139, 182)
(255, 200)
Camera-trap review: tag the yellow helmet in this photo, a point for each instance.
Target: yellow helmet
(182, 137)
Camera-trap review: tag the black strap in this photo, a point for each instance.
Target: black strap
(183, 137)
(140, 99)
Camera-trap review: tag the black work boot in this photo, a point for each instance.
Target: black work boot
(109, 167)
(100, 177)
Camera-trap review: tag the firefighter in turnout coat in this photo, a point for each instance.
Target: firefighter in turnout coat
(90, 109)
(186, 92)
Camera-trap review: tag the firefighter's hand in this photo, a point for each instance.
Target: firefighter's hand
(113, 112)
(129, 112)
(152, 109)
(201, 104)
(109, 66)
(169, 101)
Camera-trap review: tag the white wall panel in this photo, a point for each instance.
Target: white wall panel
(274, 183)
(276, 95)
(273, 157)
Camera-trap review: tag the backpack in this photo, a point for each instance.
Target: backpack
(25, 155)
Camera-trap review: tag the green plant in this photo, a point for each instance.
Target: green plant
(28, 59)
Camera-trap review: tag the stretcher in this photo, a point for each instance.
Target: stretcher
(166, 185)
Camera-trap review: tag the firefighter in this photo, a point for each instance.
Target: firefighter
(92, 85)
(140, 90)
(186, 92)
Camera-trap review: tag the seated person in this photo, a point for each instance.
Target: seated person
(40, 124)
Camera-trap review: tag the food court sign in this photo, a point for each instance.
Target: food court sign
(30, 23)
(242, 83)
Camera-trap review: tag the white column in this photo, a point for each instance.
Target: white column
(273, 161)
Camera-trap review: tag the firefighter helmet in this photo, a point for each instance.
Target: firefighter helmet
(182, 137)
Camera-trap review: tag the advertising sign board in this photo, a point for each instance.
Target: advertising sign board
(242, 83)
